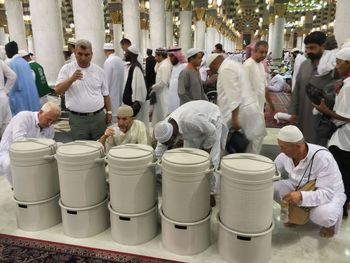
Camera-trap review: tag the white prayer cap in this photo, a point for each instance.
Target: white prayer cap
(125, 111)
(23, 53)
(295, 50)
(133, 49)
(290, 133)
(108, 46)
(343, 54)
(163, 131)
(211, 58)
(71, 41)
(193, 51)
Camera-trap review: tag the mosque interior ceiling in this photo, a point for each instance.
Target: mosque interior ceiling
(230, 17)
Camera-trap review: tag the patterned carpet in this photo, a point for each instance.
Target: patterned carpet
(281, 102)
(14, 249)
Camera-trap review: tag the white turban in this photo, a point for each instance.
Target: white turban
(343, 54)
(108, 46)
(290, 133)
(211, 58)
(133, 49)
(163, 131)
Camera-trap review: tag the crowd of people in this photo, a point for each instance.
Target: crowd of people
(169, 102)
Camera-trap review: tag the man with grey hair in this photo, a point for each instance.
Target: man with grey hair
(27, 124)
(304, 163)
(86, 94)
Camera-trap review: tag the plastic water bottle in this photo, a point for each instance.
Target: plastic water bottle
(284, 212)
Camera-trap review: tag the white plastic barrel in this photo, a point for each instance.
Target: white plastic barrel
(81, 170)
(134, 229)
(35, 216)
(185, 238)
(185, 184)
(238, 247)
(34, 169)
(132, 178)
(247, 192)
(85, 222)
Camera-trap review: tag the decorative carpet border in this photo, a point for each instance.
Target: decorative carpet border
(80, 251)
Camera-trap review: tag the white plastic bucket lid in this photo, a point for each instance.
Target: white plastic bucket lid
(187, 160)
(131, 151)
(32, 148)
(79, 151)
(247, 166)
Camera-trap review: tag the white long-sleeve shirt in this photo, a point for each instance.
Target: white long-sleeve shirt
(114, 70)
(9, 74)
(324, 169)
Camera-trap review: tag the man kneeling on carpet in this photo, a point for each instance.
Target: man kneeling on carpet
(127, 130)
(27, 124)
(308, 166)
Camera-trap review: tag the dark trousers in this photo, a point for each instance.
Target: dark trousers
(87, 127)
(343, 161)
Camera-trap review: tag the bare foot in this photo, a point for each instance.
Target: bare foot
(327, 232)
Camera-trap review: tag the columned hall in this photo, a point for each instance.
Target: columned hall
(46, 29)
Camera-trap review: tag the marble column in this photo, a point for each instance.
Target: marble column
(117, 20)
(169, 31)
(14, 14)
(157, 23)
(131, 18)
(271, 34)
(31, 47)
(217, 37)
(278, 38)
(143, 38)
(185, 40)
(342, 22)
(47, 36)
(210, 39)
(89, 24)
(200, 27)
(300, 41)
(3, 39)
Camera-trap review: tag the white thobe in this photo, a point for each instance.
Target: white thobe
(114, 69)
(24, 125)
(234, 91)
(298, 61)
(137, 134)
(327, 201)
(257, 79)
(139, 93)
(5, 111)
(277, 83)
(173, 97)
(161, 87)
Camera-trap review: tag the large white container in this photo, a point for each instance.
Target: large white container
(81, 170)
(85, 222)
(238, 247)
(247, 192)
(132, 178)
(185, 184)
(34, 169)
(35, 216)
(185, 238)
(134, 229)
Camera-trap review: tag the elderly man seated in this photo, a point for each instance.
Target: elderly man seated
(277, 82)
(128, 130)
(304, 162)
(27, 124)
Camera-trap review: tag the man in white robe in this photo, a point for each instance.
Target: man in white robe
(127, 130)
(114, 69)
(238, 108)
(304, 162)
(27, 124)
(178, 60)
(161, 87)
(298, 60)
(258, 82)
(277, 82)
(5, 112)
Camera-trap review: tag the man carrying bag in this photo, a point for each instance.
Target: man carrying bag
(305, 162)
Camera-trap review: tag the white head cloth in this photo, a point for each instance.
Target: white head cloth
(343, 54)
(163, 131)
